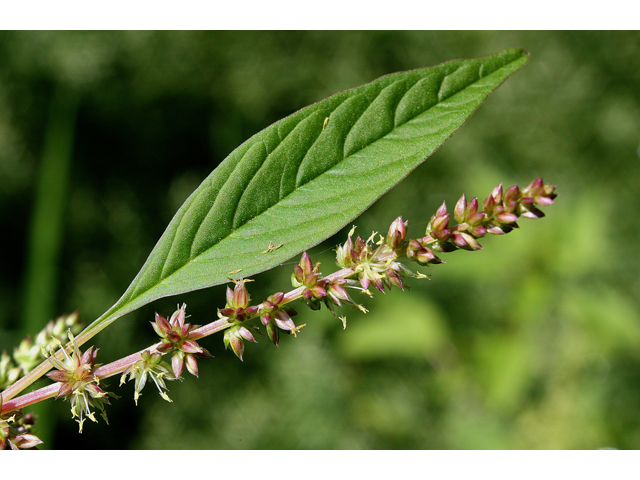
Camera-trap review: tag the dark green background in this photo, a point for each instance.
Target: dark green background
(533, 342)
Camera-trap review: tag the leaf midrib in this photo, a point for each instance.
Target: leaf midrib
(138, 293)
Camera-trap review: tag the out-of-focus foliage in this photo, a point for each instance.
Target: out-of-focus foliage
(533, 342)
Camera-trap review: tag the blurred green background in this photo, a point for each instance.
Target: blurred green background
(531, 343)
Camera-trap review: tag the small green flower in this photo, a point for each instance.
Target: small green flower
(149, 366)
(375, 266)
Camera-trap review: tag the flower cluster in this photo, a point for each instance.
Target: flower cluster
(237, 311)
(176, 338)
(274, 314)
(149, 366)
(275, 317)
(377, 266)
(78, 383)
(500, 215)
(316, 289)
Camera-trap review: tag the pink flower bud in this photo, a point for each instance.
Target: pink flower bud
(526, 201)
(478, 231)
(507, 217)
(226, 312)
(472, 243)
(532, 212)
(496, 230)
(177, 319)
(246, 334)
(285, 323)
(543, 201)
(177, 364)
(162, 324)
(265, 318)
(476, 218)
(276, 298)
(425, 256)
(397, 233)
(511, 197)
(488, 205)
(165, 347)
(459, 210)
(378, 284)
(229, 297)
(442, 210)
(184, 330)
(306, 265)
(173, 337)
(240, 296)
(497, 194)
(337, 294)
(472, 208)
(190, 346)
(441, 222)
(192, 365)
(395, 279)
(318, 292)
(459, 240)
(26, 441)
(57, 376)
(237, 345)
(535, 185)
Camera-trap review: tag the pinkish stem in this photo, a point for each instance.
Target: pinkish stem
(30, 398)
(119, 366)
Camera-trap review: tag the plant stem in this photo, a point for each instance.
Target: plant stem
(119, 366)
(105, 371)
(30, 398)
(502, 209)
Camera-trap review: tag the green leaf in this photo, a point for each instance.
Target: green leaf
(306, 176)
